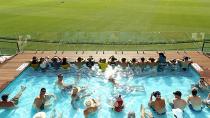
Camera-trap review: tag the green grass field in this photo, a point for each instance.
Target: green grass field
(102, 21)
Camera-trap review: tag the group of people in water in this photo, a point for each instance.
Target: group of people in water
(158, 105)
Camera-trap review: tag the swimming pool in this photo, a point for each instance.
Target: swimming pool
(166, 82)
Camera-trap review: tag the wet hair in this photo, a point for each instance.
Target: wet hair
(131, 115)
(4, 97)
(156, 93)
(152, 59)
(43, 89)
(64, 60)
(41, 59)
(194, 92)
(123, 59)
(178, 93)
(186, 58)
(142, 59)
(79, 59)
(34, 60)
(133, 60)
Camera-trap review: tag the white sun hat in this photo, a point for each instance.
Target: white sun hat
(40, 115)
(178, 113)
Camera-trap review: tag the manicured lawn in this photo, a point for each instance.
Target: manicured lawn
(106, 21)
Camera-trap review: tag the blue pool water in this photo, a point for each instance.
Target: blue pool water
(97, 84)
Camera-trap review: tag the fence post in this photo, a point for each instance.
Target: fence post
(203, 45)
(18, 48)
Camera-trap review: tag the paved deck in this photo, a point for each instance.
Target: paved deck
(8, 70)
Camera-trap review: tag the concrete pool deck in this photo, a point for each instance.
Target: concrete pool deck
(8, 70)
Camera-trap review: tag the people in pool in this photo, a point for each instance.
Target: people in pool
(5, 103)
(102, 64)
(42, 101)
(65, 64)
(132, 115)
(152, 62)
(112, 61)
(158, 104)
(56, 62)
(134, 63)
(207, 101)
(194, 101)
(184, 63)
(44, 63)
(76, 95)
(61, 84)
(161, 62)
(118, 105)
(79, 63)
(123, 63)
(34, 63)
(143, 64)
(90, 62)
(202, 84)
(92, 105)
(173, 64)
(178, 102)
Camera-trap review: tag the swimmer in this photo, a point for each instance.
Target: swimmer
(4, 103)
(75, 95)
(41, 101)
(61, 84)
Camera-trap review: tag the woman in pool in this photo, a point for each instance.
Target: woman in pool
(194, 101)
(159, 104)
(65, 64)
(61, 84)
(4, 103)
(34, 63)
(42, 101)
(102, 64)
(118, 105)
(91, 106)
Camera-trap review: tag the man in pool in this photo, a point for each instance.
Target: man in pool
(41, 101)
(159, 104)
(178, 102)
(61, 84)
(194, 101)
(4, 103)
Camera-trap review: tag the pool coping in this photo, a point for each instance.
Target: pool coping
(9, 72)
